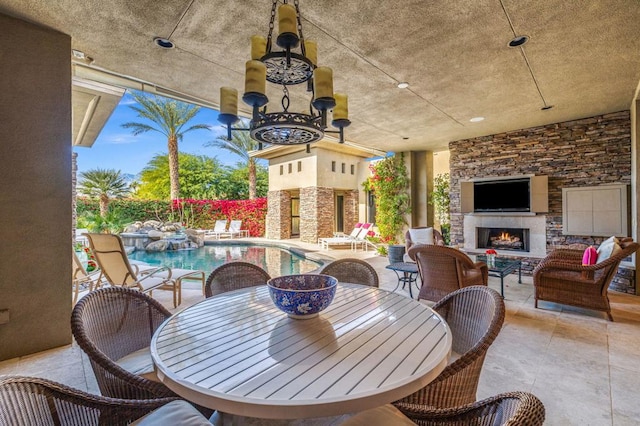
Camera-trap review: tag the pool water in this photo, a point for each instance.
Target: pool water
(276, 261)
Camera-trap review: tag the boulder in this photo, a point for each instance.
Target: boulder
(152, 224)
(171, 227)
(195, 237)
(161, 245)
(133, 228)
(155, 235)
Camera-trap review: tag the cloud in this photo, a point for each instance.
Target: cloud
(120, 138)
(218, 130)
(130, 101)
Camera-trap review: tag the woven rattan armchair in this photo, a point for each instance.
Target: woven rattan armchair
(445, 269)
(113, 322)
(233, 276)
(475, 315)
(561, 278)
(509, 409)
(354, 271)
(26, 401)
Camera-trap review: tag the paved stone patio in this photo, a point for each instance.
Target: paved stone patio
(583, 368)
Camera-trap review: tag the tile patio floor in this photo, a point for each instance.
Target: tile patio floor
(585, 369)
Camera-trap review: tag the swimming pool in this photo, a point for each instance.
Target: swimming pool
(275, 260)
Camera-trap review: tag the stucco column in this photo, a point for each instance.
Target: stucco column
(35, 187)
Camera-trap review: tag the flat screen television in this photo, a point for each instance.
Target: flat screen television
(508, 195)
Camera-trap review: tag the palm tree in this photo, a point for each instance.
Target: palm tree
(103, 184)
(240, 145)
(170, 117)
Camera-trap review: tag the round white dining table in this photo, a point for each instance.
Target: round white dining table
(239, 354)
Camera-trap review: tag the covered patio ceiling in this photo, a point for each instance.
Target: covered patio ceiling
(582, 57)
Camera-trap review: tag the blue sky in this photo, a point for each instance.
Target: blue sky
(117, 148)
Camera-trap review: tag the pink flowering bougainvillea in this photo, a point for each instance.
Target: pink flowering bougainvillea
(252, 213)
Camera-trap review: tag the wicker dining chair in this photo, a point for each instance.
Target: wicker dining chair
(507, 409)
(445, 269)
(116, 323)
(233, 276)
(26, 401)
(475, 315)
(353, 271)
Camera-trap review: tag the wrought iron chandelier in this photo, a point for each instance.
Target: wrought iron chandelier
(286, 67)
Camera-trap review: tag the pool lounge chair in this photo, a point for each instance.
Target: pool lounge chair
(361, 240)
(220, 228)
(235, 231)
(325, 243)
(112, 259)
(83, 279)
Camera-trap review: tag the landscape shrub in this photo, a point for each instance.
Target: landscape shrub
(197, 214)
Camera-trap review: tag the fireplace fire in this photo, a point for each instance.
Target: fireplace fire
(515, 239)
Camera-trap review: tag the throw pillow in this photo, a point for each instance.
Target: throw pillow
(590, 256)
(605, 251)
(611, 239)
(421, 235)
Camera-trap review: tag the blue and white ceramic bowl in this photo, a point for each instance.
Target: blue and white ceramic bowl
(304, 295)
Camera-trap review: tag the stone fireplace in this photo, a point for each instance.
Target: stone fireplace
(510, 235)
(511, 239)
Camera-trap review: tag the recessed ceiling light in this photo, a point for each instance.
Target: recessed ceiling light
(518, 41)
(546, 107)
(163, 43)
(403, 85)
(476, 119)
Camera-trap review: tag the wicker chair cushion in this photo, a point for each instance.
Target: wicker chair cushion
(421, 235)
(139, 363)
(171, 414)
(384, 415)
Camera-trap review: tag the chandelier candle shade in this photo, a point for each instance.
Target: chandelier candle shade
(258, 47)
(287, 68)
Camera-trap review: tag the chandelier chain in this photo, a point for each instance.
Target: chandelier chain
(271, 24)
(285, 99)
(296, 3)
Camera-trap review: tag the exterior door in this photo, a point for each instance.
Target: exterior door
(295, 216)
(340, 213)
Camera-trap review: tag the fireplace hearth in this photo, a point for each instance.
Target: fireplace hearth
(513, 239)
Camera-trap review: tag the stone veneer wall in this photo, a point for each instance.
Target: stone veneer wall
(587, 152)
(278, 226)
(316, 213)
(351, 202)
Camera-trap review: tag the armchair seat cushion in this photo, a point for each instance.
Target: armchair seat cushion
(173, 413)
(139, 363)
